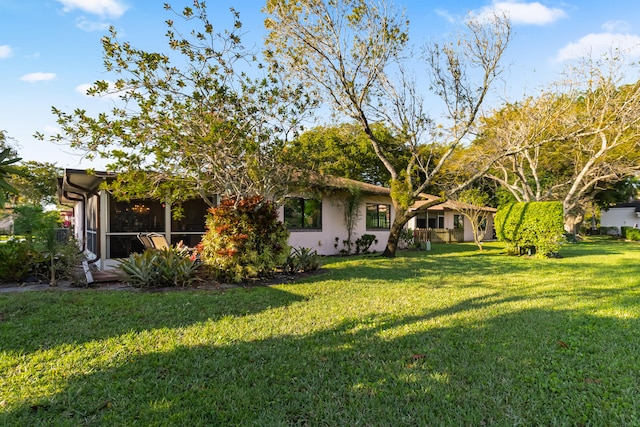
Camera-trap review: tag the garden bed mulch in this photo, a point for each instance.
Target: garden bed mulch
(117, 285)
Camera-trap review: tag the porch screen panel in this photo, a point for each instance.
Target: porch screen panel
(190, 228)
(135, 216)
(127, 219)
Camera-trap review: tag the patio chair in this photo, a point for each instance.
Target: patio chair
(145, 240)
(153, 241)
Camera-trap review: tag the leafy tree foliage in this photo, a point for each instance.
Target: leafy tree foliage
(344, 150)
(8, 159)
(575, 141)
(352, 52)
(193, 115)
(36, 183)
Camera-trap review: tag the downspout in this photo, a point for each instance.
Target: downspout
(83, 195)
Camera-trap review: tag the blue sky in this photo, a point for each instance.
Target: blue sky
(50, 49)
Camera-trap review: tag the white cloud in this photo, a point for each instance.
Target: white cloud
(446, 15)
(38, 77)
(525, 13)
(5, 51)
(597, 44)
(113, 94)
(108, 8)
(87, 25)
(51, 130)
(616, 26)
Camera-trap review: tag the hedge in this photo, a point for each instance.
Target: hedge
(630, 233)
(535, 227)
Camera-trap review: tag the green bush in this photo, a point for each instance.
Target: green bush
(159, 268)
(57, 261)
(244, 239)
(363, 244)
(630, 233)
(532, 227)
(15, 260)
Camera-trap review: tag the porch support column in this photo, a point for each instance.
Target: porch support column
(167, 220)
(103, 228)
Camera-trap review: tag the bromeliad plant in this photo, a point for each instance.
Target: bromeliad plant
(302, 260)
(159, 268)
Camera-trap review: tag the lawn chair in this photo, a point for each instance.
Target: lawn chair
(158, 241)
(153, 241)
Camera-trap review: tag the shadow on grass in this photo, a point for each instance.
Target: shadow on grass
(446, 264)
(596, 245)
(85, 316)
(529, 367)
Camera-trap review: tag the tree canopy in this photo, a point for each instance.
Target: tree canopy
(8, 160)
(191, 121)
(580, 137)
(353, 54)
(344, 150)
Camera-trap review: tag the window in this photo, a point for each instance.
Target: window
(458, 221)
(378, 216)
(91, 217)
(436, 221)
(300, 213)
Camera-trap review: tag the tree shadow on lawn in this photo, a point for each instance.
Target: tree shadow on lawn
(443, 267)
(85, 316)
(594, 246)
(532, 367)
(451, 264)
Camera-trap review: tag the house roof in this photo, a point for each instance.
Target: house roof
(74, 184)
(632, 204)
(77, 183)
(452, 205)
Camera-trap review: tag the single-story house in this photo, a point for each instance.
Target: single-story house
(107, 229)
(621, 215)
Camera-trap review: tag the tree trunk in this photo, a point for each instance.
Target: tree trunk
(394, 236)
(573, 217)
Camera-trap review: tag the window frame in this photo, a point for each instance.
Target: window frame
(302, 225)
(458, 221)
(387, 216)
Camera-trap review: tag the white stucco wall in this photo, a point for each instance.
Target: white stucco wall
(619, 217)
(323, 241)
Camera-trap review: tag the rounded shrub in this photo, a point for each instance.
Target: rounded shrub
(537, 227)
(244, 239)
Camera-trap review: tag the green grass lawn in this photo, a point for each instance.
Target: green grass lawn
(447, 337)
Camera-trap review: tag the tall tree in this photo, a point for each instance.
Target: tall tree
(344, 150)
(353, 53)
(8, 160)
(36, 183)
(578, 138)
(191, 121)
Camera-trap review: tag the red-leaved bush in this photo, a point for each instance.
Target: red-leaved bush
(244, 239)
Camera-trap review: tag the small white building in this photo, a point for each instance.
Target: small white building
(621, 215)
